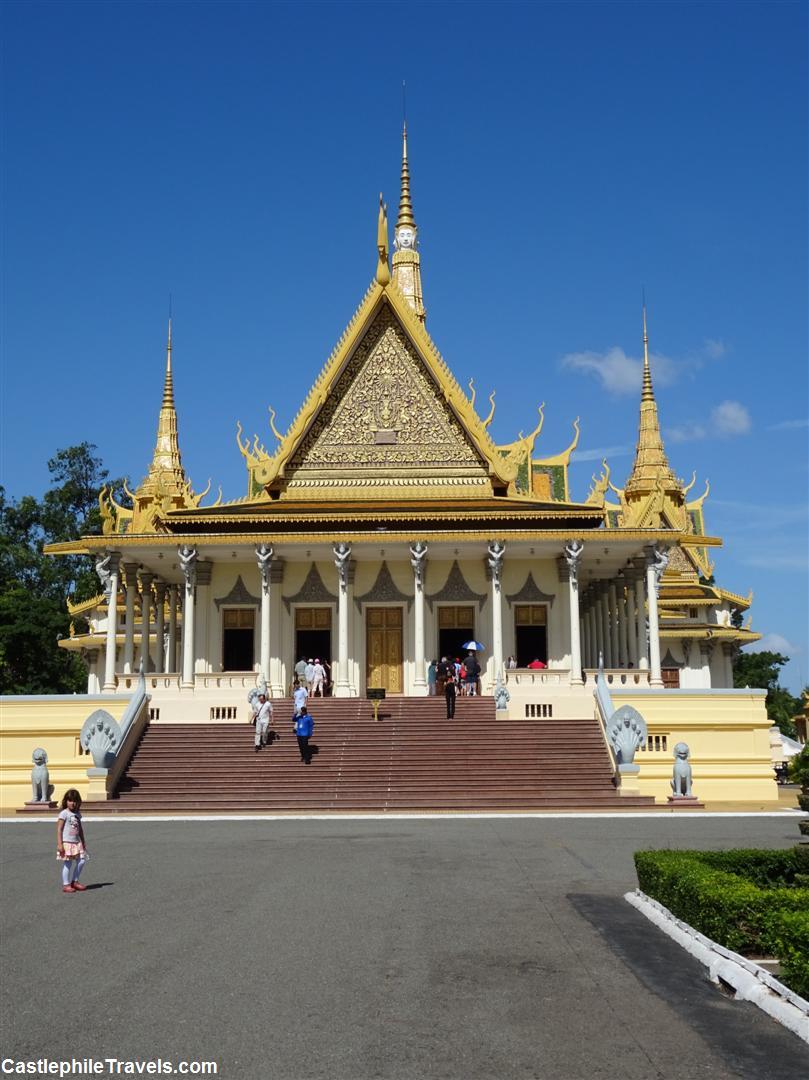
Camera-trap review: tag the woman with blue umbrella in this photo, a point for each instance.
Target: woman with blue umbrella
(472, 668)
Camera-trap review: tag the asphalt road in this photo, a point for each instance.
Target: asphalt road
(372, 950)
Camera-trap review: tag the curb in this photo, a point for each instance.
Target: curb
(749, 981)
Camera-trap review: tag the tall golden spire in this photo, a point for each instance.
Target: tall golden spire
(405, 205)
(166, 477)
(651, 468)
(406, 258)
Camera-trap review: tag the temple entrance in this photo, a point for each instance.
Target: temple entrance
(383, 628)
(455, 626)
(531, 633)
(313, 635)
(238, 633)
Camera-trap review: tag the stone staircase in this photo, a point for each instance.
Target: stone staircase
(412, 758)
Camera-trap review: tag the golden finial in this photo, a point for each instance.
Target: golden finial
(405, 205)
(490, 417)
(168, 385)
(647, 393)
(382, 270)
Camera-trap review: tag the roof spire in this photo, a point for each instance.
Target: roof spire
(651, 468)
(406, 258)
(168, 385)
(405, 204)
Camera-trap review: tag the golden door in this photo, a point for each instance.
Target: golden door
(384, 649)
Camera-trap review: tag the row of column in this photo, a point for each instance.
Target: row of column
(154, 593)
(611, 620)
(619, 620)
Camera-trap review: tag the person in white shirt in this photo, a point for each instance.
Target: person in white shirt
(263, 720)
(318, 677)
(310, 674)
(300, 698)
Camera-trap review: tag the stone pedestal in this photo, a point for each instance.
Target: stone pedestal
(32, 807)
(685, 802)
(97, 788)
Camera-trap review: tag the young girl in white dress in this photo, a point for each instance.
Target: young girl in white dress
(71, 849)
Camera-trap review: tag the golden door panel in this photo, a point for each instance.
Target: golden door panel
(313, 618)
(384, 649)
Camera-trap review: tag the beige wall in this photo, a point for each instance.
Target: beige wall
(52, 723)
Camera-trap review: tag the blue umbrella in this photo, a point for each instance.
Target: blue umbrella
(475, 646)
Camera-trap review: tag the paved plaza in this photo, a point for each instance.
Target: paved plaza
(459, 949)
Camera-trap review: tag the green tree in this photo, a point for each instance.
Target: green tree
(34, 587)
(763, 670)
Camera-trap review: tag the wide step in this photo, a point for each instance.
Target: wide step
(412, 758)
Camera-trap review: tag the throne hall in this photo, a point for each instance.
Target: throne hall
(385, 528)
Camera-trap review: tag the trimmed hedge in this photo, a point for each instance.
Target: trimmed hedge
(752, 901)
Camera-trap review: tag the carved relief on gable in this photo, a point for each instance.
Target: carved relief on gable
(385, 411)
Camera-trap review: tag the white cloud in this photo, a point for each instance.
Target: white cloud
(618, 373)
(775, 643)
(714, 349)
(789, 425)
(599, 453)
(726, 420)
(686, 433)
(731, 418)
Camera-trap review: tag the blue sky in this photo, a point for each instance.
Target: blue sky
(563, 157)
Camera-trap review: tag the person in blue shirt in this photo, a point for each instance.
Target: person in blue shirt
(304, 726)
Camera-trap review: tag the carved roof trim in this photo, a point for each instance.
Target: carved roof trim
(456, 588)
(313, 591)
(384, 590)
(530, 593)
(239, 594)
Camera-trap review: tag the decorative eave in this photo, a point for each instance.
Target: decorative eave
(445, 529)
(738, 601)
(710, 633)
(86, 605)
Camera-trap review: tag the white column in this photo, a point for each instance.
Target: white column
(93, 681)
(418, 560)
(573, 553)
(108, 569)
(146, 580)
(202, 659)
(656, 561)
(623, 624)
(131, 571)
(188, 564)
(342, 558)
(585, 630)
(641, 636)
(264, 554)
(727, 652)
(496, 552)
(631, 620)
(160, 625)
(592, 622)
(605, 646)
(705, 650)
(171, 659)
(276, 687)
(612, 600)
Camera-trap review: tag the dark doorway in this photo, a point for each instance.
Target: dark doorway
(532, 644)
(238, 646)
(450, 643)
(313, 644)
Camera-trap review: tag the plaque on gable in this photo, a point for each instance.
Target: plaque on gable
(313, 591)
(456, 588)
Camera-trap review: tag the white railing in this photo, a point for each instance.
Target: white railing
(226, 680)
(538, 676)
(603, 711)
(618, 677)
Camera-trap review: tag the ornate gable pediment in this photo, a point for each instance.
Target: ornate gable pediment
(313, 591)
(386, 414)
(383, 591)
(456, 588)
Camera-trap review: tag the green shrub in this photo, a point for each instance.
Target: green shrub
(786, 935)
(729, 907)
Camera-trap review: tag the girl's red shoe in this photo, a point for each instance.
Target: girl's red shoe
(79, 888)
(68, 888)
